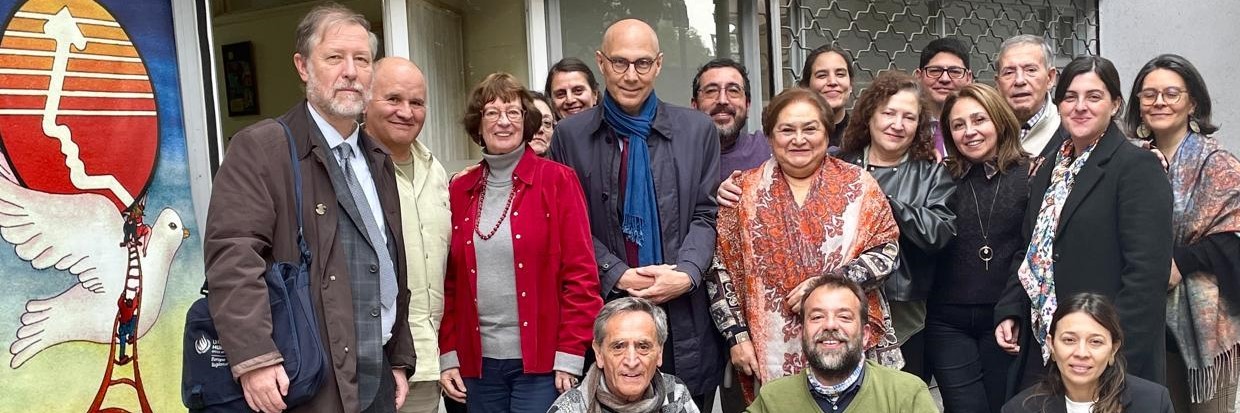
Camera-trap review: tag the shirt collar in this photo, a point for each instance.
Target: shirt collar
(420, 151)
(849, 384)
(1037, 116)
(992, 167)
(332, 136)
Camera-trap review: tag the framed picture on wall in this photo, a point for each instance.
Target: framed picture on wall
(239, 79)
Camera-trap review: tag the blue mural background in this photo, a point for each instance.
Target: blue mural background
(66, 377)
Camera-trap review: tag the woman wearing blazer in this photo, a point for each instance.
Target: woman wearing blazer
(1086, 372)
(1099, 220)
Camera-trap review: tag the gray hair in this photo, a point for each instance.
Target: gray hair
(310, 30)
(1026, 39)
(627, 304)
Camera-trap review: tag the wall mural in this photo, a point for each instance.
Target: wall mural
(100, 255)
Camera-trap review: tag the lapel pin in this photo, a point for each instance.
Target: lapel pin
(320, 209)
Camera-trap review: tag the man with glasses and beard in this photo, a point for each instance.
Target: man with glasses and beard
(721, 91)
(839, 379)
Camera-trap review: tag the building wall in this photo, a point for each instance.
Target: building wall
(494, 39)
(271, 32)
(1203, 31)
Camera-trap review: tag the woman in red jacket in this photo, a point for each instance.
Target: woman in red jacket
(521, 291)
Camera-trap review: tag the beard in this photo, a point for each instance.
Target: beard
(342, 106)
(728, 133)
(833, 364)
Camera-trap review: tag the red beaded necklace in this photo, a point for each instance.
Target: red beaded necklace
(482, 196)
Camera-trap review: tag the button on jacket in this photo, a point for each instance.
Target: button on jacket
(427, 226)
(556, 275)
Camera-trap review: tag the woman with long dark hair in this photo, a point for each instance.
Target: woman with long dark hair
(1086, 373)
(1098, 220)
(572, 87)
(1170, 110)
(828, 70)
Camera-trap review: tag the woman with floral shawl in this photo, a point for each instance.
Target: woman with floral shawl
(801, 215)
(1170, 110)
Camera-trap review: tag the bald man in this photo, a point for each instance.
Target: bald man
(649, 171)
(395, 114)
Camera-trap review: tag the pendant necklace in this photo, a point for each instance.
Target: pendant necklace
(985, 252)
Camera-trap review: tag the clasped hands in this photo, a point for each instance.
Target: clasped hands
(658, 283)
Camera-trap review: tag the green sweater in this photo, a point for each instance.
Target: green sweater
(883, 389)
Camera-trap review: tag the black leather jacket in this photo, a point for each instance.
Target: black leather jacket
(918, 191)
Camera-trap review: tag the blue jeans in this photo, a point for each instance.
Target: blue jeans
(504, 387)
(965, 359)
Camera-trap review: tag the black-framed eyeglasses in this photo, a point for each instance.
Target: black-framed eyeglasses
(621, 65)
(954, 72)
(732, 90)
(513, 115)
(1170, 96)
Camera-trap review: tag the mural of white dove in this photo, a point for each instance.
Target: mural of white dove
(81, 234)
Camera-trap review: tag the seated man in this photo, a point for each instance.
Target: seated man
(628, 339)
(839, 379)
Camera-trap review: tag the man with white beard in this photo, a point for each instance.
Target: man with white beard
(351, 225)
(839, 378)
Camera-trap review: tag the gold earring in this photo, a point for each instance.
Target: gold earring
(1143, 131)
(1194, 126)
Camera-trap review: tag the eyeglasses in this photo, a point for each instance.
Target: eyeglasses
(492, 115)
(621, 65)
(733, 91)
(954, 72)
(1170, 96)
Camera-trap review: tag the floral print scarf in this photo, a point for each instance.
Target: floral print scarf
(1037, 271)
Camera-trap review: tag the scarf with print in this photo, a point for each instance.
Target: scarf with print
(1037, 270)
(1201, 316)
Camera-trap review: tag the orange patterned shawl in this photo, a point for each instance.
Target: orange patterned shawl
(768, 245)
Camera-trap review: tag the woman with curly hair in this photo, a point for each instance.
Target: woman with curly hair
(1086, 371)
(888, 135)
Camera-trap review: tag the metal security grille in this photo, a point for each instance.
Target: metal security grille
(889, 34)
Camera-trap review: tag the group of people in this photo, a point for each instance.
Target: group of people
(613, 252)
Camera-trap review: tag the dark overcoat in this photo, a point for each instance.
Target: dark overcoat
(684, 162)
(1114, 239)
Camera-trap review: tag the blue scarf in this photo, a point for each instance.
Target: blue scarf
(640, 222)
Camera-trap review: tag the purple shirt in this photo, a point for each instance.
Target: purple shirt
(937, 133)
(750, 150)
